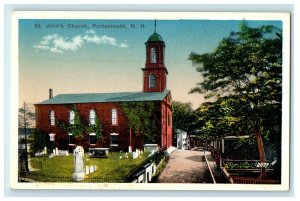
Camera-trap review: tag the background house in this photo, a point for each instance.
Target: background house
(183, 141)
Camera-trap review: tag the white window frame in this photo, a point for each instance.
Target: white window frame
(114, 117)
(92, 134)
(92, 117)
(72, 117)
(52, 118)
(52, 137)
(114, 145)
(153, 55)
(70, 134)
(152, 81)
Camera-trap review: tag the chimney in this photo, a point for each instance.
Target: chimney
(50, 93)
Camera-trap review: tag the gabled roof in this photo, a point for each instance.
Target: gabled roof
(106, 97)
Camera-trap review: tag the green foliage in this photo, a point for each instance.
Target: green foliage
(81, 126)
(244, 74)
(184, 117)
(40, 140)
(219, 118)
(96, 128)
(142, 118)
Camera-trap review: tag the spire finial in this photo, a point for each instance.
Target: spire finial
(155, 26)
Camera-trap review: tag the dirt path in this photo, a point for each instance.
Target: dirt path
(186, 166)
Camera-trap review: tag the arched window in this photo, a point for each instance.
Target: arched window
(52, 118)
(152, 81)
(92, 117)
(153, 55)
(114, 118)
(72, 117)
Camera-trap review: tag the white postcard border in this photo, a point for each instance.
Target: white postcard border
(283, 16)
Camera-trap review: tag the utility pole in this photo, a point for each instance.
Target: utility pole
(25, 132)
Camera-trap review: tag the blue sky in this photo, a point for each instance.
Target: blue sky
(95, 60)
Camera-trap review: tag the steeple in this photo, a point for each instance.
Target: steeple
(155, 72)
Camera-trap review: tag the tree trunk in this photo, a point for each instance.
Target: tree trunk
(261, 152)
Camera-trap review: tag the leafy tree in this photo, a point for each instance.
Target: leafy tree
(41, 140)
(244, 74)
(184, 117)
(141, 119)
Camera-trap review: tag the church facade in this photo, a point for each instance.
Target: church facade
(63, 110)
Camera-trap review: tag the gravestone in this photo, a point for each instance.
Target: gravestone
(63, 153)
(92, 169)
(87, 169)
(133, 155)
(78, 174)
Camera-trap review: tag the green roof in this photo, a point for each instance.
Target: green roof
(155, 37)
(105, 97)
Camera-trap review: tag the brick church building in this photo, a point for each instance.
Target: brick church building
(106, 109)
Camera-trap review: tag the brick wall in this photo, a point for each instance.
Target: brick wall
(103, 112)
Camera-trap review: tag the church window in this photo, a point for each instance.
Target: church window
(114, 118)
(92, 117)
(52, 118)
(153, 55)
(71, 139)
(72, 117)
(52, 137)
(152, 81)
(114, 139)
(93, 139)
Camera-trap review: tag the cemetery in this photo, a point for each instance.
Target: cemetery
(96, 165)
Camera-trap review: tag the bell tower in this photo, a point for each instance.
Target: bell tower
(155, 72)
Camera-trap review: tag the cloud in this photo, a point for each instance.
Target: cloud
(100, 39)
(91, 31)
(123, 45)
(58, 44)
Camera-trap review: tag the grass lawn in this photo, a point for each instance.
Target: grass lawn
(61, 168)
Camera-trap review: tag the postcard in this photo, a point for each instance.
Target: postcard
(150, 100)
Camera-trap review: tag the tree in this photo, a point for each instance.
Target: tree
(184, 117)
(141, 118)
(41, 140)
(246, 69)
(26, 119)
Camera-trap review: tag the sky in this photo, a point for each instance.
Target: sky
(100, 56)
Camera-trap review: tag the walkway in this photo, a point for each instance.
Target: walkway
(186, 166)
